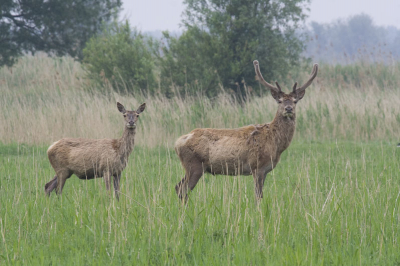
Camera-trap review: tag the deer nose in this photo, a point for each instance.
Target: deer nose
(288, 109)
(131, 123)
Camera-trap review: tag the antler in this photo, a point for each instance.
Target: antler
(261, 79)
(294, 87)
(310, 80)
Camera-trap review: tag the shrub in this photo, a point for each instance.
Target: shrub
(121, 58)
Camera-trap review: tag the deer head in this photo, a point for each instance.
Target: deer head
(287, 102)
(131, 116)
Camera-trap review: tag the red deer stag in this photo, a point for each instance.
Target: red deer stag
(250, 150)
(92, 158)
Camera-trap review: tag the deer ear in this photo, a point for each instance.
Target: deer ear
(121, 108)
(299, 95)
(276, 95)
(141, 108)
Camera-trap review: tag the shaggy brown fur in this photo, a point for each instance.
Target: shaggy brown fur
(250, 150)
(92, 158)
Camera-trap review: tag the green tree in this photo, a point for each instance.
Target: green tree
(223, 37)
(54, 26)
(121, 57)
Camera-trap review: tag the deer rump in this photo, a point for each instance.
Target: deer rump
(226, 151)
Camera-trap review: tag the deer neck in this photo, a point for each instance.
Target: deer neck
(283, 128)
(126, 143)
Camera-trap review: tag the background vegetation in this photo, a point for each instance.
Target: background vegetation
(56, 27)
(222, 38)
(121, 59)
(43, 101)
(352, 40)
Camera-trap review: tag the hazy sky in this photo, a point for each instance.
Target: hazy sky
(150, 15)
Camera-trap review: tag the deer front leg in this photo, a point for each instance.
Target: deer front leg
(117, 178)
(107, 179)
(259, 178)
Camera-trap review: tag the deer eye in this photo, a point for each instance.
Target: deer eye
(295, 101)
(124, 115)
(137, 115)
(279, 101)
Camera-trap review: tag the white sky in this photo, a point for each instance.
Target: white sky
(150, 15)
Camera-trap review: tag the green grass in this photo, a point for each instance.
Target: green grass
(325, 203)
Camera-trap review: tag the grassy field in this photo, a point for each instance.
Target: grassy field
(332, 200)
(326, 203)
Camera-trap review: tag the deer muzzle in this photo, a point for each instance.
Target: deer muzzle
(288, 109)
(131, 124)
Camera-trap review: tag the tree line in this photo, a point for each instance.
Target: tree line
(351, 40)
(57, 27)
(214, 52)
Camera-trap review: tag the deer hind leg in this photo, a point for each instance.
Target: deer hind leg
(62, 176)
(181, 188)
(117, 179)
(50, 186)
(189, 182)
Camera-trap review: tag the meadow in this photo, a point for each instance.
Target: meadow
(333, 198)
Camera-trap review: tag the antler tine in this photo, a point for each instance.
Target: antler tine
(277, 85)
(261, 79)
(294, 87)
(310, 80)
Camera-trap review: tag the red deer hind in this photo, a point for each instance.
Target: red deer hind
(92, 158)
(250, 150)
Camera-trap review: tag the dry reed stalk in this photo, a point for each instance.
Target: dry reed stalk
(43, 101)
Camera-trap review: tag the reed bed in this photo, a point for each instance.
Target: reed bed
(45, 99)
